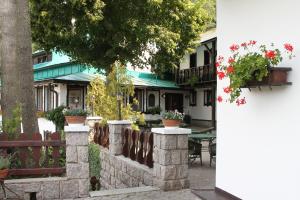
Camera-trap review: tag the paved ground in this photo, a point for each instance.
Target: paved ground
(202, 177)
(154, 195)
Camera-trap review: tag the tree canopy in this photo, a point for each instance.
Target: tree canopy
(99, 32)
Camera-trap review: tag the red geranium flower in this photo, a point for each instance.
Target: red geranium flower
(231, 60)
(270, 54)
(288, 47)
(244, 44)
(221, 75)
(220, 99)
(230, 69)
(234, 47)
(227, 90)
(217, 64)
(241, 101)
(252, 42)
(220, 58)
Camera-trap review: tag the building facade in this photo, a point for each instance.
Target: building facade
(59, 81)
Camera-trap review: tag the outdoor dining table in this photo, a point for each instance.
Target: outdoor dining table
(198, 138)
(202, 136)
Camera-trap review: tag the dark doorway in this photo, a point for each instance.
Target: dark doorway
(174, 102)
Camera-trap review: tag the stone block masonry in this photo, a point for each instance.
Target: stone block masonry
(118, 172)
(171, 158)
(170, 155)
(76, 182)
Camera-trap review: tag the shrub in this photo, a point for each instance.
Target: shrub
(57, 117)
(94, 160)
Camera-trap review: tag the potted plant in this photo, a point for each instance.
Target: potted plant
(251, 65)
(75, 116)
(172, 118)
(153, 113)
(4, 166)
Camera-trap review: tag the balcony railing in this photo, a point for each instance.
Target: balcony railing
(196, 75)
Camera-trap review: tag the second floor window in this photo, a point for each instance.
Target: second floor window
(45, 57)
(206, 58)
(193, 60)
(207, 97)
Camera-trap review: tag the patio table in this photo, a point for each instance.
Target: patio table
(202, 136)
(199, 137)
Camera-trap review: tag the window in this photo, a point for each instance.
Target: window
(39, 98)
(207, 97)
(206, 57)
(193, 60)
(151, 100)
(193, 98)
(41, 58)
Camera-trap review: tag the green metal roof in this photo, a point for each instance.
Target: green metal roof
(150, 80)
(62, 68)
(57, 58)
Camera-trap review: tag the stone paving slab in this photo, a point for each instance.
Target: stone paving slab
(152, 195)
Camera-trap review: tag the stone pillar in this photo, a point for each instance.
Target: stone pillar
(115, 137)
(171, 158)
(77, 163)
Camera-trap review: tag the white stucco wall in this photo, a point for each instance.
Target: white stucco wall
(199, 112)
(258, 144)
(185, 62)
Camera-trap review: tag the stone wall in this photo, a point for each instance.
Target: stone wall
(76, 182)
(170, 155)
(119, 172)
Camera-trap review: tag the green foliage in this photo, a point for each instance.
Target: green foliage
(173, 115)
(75, 112)
(249, 66)
(103, 98)
(94, 161)
(11, 126)
(193, 80)
(57, 117)
(100, 32)
(252, 63)
(153, 111)
(135, 127)
(4, 162)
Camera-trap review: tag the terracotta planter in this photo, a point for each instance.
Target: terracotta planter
(171, 122)
(3, 173)
(75, 119)
(277, 76)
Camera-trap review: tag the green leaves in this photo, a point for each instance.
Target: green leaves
(99, 32)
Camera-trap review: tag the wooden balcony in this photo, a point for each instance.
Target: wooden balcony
(202, 75)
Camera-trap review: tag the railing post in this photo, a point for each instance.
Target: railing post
(77, 163)
(171, 158)
(115, 135)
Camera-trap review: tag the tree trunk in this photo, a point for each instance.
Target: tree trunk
(29, 119)
(16, 63)
(9, 56)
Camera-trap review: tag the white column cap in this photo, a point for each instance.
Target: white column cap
(171, 131)
(119, 122)
(77, 128)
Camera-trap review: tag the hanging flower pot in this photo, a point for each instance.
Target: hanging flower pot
(250, 66)
(276, 76)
